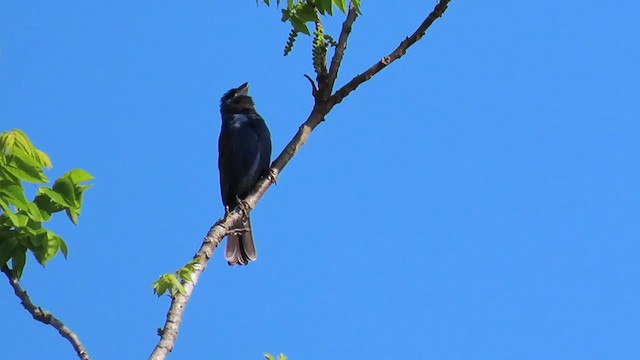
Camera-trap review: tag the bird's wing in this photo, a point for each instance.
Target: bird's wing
(246, 157)
(260, 127)
(239, 158)
(224, 163)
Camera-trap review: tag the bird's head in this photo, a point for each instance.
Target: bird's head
(237, 100)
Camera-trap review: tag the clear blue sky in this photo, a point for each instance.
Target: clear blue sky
(478, 199)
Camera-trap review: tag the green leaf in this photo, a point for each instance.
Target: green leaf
(72, 215)
(18, 261)
(186, 275)
(37, 239)
(77, 176)
(49, 250)
(64, 187)
(186, 272)
(269, 357)
(8, 212)
(176, 285)
(8, 242)
(299, 25)
(356, 5)
(14, 194)
(158, 288)
(16, 141)
(64, 248)
(79, 190)
(33, 227)
(46, 206)
(341, 4)
(34, 212)
(282, 356)
(54, 196)
(24, 143)
(7, 140)
(28, 155)
(53, 245)
(163, 283)
(168, 282)
(325, 6)
(23, 167)
(5, 174)
(21, 220)
(4, 205)
(43, 159)
(307, 13)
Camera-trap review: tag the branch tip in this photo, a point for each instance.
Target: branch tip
(44, 316)
(400, 51)
(340, 47)
(314, 88)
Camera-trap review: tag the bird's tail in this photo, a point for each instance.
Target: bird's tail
(240, 246)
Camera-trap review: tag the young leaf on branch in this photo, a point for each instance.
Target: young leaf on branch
(172, 282)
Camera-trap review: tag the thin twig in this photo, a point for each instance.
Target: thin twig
(322, 106)
(437, 12)
(314, 89)
(45, 316)
(340, 48)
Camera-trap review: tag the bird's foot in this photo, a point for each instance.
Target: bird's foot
(244, 206)
(239, 230)
(272, 175)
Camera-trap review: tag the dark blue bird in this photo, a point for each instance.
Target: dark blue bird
(244, 155)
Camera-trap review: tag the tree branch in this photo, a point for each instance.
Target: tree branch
(437, 12)
(45, 316)
(323, 104)
(169, 333)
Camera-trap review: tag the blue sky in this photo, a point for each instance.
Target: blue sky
(478, 199)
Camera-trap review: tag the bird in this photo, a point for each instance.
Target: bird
(244, 155)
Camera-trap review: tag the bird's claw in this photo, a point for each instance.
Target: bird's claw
(239, 230)
(272, 175)
(244, 206)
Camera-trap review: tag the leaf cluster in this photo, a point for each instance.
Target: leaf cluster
(281, 356)
(21, 220)
(300, 14)
(173, 282)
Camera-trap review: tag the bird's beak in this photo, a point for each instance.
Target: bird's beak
(243, 89)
